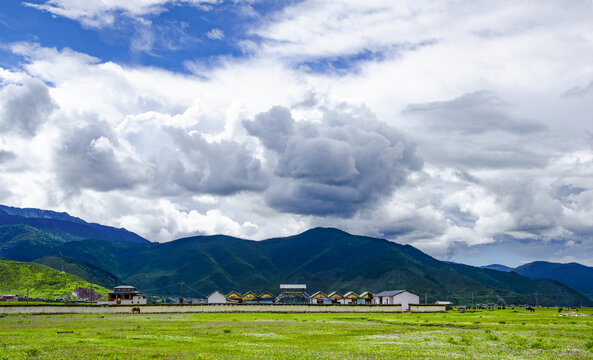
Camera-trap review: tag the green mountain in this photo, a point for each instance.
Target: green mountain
(573, 275)
(37, 280)
(324, 259)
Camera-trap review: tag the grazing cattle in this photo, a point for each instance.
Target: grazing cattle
(529, 308)
(136, 310)
(560, 310)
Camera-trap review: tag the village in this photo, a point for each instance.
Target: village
(291, 294)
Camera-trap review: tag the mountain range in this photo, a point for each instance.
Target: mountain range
(576, 276)
(325, 259)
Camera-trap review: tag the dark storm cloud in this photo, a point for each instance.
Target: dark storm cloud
(24, 108)
(337, 166)
(473, 113)
(87, 159)
(221, 168)
(6, 156)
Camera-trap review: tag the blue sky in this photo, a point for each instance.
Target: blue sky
(179, 32)
(462, 128)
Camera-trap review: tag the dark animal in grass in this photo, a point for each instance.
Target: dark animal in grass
(136, 310)
(529, 308)
(560, 310)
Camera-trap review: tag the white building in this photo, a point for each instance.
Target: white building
(217, 298)
(124, 295)
(397, 297)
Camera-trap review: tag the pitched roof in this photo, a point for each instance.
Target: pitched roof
(249, 295)
(216, 291)
(390, 293)
(351, 295)
(266, 294)
(366, 294)
(318, 294)
(233, 294)
(335, 294)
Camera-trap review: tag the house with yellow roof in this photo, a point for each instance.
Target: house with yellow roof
(350, 298)
(336, 298)
(234, 296)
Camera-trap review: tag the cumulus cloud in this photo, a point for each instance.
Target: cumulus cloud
(221, 168)
(24, 108)
(92, 157)
(346, 161)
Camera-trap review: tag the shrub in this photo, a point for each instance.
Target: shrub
(589, 345)
(227, 331)
(491, 337)
(32, 352)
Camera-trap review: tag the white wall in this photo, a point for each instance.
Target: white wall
(405, 299)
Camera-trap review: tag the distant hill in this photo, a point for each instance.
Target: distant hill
(573, 275)
(64, 226)
(497, 267)
(18, 278)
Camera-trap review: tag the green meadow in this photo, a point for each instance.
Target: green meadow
(488, 334)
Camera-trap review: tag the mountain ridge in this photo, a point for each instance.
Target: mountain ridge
(327, 259)
(68, 227)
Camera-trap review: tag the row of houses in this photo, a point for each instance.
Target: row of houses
(296, 294)
(290, 294)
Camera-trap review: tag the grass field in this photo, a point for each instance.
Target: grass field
(489, 334)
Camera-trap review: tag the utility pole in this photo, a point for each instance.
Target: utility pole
(473, 305)
(536, 300)
(425, 301)
(181, 289)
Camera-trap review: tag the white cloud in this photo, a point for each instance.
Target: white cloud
(215, 34)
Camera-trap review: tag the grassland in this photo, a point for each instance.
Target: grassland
(38, 280)
(489, 334)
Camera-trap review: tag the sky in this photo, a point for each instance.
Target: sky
(463, 128)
